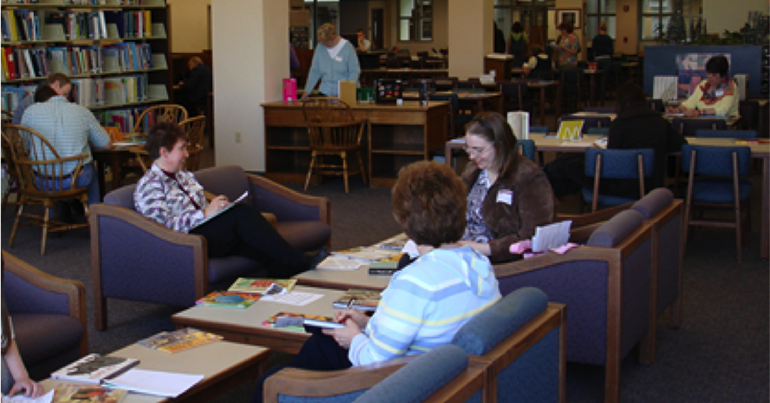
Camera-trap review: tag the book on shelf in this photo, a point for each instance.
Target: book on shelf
(94, 369)
(179, 340)
(70, 393)
(227, 299)
(297, 321)
(261, 285)
(360, 299)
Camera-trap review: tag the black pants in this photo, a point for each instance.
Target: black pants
(243, 231)
(320, 353)
(566, 174)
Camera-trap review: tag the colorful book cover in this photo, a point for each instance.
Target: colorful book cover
(570, 130)
(227, 299)
(178, 340)
(356, 298)
(294, 321)
(66, 393)
(369, 253)
(260, 285)
(94, 368)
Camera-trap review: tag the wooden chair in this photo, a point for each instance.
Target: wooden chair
(333, 130)
(10, 169)
(194, 128)
(616, 164)
(159, 113)
(43, 175)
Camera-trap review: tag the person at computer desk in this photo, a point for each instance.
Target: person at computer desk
(425, 303)
(508, 195)
(717, 95)
(334, 60)
(364, 45)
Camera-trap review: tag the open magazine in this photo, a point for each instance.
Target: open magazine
(228, 207)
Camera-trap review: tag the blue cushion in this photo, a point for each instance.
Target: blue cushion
(714, 160)
(734, 134)
(487, 329)
(527, 148)
(619, 164)
(654, 202)
(616, 229)
(714, 190)
(419, 379)
(605, 200)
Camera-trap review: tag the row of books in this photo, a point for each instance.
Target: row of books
(11, 96)
(20, 25)
(90, 92)
(25, 63)
(125, 119)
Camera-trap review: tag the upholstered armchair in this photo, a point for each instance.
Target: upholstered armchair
(440, 375)
(134, 258)
(48, 314)
(606, 286)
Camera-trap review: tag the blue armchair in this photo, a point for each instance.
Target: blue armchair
(131, 253)
(616, 164)
(516, 374)
(48, 314)
(440, 375)
(607, 287)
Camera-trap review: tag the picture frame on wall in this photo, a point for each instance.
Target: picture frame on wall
(570, 14)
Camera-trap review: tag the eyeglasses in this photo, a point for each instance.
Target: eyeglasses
(475, 151)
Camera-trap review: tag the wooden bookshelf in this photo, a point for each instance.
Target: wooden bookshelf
(52, 36)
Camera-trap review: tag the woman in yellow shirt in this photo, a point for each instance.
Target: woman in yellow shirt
(717, 95)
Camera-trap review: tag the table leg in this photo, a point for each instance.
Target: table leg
(100, 172)
(592, 82)
(115, 165)
(542, 105)
(764, 248)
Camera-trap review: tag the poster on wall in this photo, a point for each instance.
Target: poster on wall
(691, 69)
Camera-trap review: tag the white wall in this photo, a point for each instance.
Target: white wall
(440, 29)
(730, 15)
(189, 25)
(250, 64)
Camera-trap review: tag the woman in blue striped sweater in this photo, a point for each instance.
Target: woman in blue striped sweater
(428, 301)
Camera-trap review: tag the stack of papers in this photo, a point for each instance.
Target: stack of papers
(551, 236)
(156, 383)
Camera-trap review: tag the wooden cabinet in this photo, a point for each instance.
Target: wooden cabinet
(396, 136)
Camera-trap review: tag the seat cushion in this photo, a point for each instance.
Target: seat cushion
(654, 202)
(719, 190)
(42, 336)
(614, 231)
(305, 235)
(605, 200)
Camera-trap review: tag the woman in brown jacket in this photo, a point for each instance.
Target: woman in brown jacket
(508, 195)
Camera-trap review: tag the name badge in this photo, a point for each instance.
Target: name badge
(505, 196)
(718, 93)
(338, 58)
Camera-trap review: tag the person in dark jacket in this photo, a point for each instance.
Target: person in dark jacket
(196, 86)
(508, 195)
(517, 44)
(603, 44)
(499, 40)
(636, 126)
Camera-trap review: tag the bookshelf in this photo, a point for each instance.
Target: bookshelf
(115, 51)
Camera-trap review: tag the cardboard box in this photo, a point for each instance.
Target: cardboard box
(299, 18)
(347, 91)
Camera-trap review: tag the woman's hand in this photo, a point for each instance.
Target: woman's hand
(358, 317)
(344, 335)
(216, 204)
(30, 388)
(305, 96)
(482, 248)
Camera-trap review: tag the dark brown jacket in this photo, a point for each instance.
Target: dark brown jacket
(533, 205)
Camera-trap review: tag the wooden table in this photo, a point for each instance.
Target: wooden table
(758, 151)
(542, 86)
(114, 159)
(495, 97)
(396, 136)
(369, 75)
(245, 325)
(225, 365)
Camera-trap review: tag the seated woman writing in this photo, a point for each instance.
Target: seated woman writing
(428, 301)
(171, 196)
(508, 195)
(15, 378)
(716, 95)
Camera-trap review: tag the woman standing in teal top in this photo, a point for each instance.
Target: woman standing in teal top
(336, 60)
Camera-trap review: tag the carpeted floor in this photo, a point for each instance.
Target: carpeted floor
(719, 355)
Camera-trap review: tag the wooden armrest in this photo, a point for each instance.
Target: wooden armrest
(580, 220)
(300, 382)
(75, 290)
(322, 203)
(270, 217)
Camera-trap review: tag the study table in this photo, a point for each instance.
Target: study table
(395, 137)
(478, 98)
(224, 365)
(758, 151)
(245, 325)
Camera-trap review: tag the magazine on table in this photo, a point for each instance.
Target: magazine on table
(266, 286)
(227, 299)
(70, 393)
(179, 340)
(94, 369)
(360, 299)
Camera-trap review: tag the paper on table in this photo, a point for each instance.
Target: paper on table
(340, 263)
(169, 384)
(46, 398)
(575, 144)
(551, 236)
(293, 298)
(228, 207)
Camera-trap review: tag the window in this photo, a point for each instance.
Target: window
(656, 15)
(415, 20)
(599, 11)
